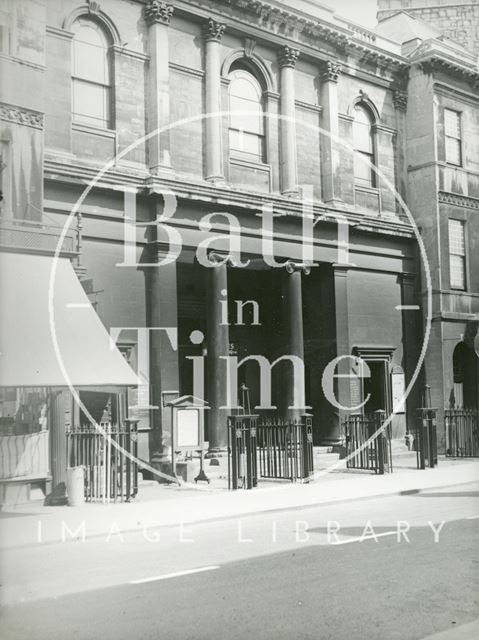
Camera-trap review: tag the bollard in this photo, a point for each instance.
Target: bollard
(76, 486)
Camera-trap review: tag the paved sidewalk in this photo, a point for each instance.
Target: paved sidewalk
(166, 505)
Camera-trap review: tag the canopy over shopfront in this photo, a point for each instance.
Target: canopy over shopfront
(27, 352)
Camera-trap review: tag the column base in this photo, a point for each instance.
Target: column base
(291, 193)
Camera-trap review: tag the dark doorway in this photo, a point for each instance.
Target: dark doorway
(377, 386)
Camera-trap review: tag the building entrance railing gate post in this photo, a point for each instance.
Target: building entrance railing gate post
(242, 456)
(426, 438)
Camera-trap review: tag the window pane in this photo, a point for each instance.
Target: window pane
(90, 63)
(456, 237)
(457, 272)
(246, 143)
(91, 103)
(363, 173)
(452, 123)
(362, 137)
(245, 85)
(453, 151)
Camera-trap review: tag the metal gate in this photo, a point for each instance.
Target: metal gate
(375, 455)
(462, 432)
(285, 449)
(278, 449)
(109, 457)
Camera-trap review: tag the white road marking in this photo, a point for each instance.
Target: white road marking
(472, 517)
(167, 576)
(78, 305)
(361, 539)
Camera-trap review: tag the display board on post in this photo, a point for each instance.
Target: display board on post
(188, 429)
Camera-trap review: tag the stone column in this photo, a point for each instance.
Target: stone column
(330, 152)
(157, 15)
(58, 445)
(164, 375)
(293, 322)
(288, 158)
(213, 33)
(343, 348)
(217, 341)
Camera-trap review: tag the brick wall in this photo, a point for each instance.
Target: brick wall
(458, 20)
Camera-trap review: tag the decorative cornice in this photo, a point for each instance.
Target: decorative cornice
(21, 116)
(287, 56)
(458, 200)
(213, 31)
(158, 12)
(437, 63)
(331, 71)
(400, 99)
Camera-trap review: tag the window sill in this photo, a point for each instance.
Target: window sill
(97, 131)
(251, 164)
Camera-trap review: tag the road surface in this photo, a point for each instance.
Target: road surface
(402, 567)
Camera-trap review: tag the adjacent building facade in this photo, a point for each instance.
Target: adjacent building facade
(216, 163)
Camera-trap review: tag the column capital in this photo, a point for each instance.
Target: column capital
(287, 56)
(157, 11)
(291, 267)
(219, 258)
(213, 30)
(400, 99)
(330, 71)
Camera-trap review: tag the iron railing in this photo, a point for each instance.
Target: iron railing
(109, 456)
(462, 432)
(426, 438)
(374, 456)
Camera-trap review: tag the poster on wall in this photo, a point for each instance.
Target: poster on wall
(398, 385)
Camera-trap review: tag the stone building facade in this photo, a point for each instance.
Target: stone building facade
(221, 156)
(458, 20)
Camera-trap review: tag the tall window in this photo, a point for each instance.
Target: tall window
(457, 255)
(91, 75)
(452, 133)
(246, 132)
(363, 146)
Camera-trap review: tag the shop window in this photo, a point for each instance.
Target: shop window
(363, 141)
(91, 75)
(457, 255)
(452, 134)
(246, 126)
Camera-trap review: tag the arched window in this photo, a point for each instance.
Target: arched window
(91, 75)
(246, 129)
(363, 146)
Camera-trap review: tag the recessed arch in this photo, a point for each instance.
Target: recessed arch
(364, 100)
(253, 63)
(83, 11)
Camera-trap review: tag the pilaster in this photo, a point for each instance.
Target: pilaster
(288, 155)
(330, 152)
(158, 15)
(213, 32)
